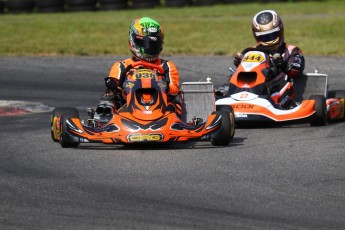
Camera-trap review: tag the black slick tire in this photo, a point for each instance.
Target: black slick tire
(225, 133)
(319, 118)
(57, 113)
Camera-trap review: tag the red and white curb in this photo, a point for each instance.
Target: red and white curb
(10, 108)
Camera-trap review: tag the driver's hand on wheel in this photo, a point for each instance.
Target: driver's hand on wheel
(110, 83)
(278, 60)
(238, 59)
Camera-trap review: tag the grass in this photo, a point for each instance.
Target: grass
(318, 28)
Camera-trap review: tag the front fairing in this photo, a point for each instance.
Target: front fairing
(251, 75)
(122, 129)
(145, 94)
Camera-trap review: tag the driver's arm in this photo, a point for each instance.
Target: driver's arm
(118, 71)
(295, 63)
(172, 76)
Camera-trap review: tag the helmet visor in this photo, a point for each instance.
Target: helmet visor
(151, 45)
(268, 36)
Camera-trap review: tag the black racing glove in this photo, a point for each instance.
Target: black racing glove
(238, 59)
(110, 83)
(278, 60)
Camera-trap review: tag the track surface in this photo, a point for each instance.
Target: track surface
(290, 177)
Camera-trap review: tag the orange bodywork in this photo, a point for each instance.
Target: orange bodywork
(248, 79)
(335, 107)
(128, 129)
(145, 117)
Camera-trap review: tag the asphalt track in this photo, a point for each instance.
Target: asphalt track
(290, 177)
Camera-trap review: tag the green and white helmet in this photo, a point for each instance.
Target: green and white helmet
(146, 39)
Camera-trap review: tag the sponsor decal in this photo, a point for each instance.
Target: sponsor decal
(244, 95)
(129, 85)
(243, 106)
(145, 137)
(241, 115)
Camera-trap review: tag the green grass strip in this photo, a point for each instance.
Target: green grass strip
(318, 28)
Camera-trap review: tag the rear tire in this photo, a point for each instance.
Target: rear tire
(231, 113)
(226, 132)
(319, 118)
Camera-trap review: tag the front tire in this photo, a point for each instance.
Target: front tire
(55, 120)
(231, 113)
(319, 118)
(55, 117)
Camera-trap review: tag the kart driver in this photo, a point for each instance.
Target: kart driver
(146, 40)
(268, 31)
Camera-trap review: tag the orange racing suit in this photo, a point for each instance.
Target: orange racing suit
(171, 74)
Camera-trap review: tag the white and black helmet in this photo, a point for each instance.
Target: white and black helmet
(268, 29)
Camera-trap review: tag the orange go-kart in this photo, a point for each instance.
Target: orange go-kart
(253, 101)
(146, 116)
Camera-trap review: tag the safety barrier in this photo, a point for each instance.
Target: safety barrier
(112, 5)
(48, 6)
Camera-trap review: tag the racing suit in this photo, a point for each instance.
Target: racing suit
(292, 63)
(289, 67)
(118, 75)
(170, 72)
